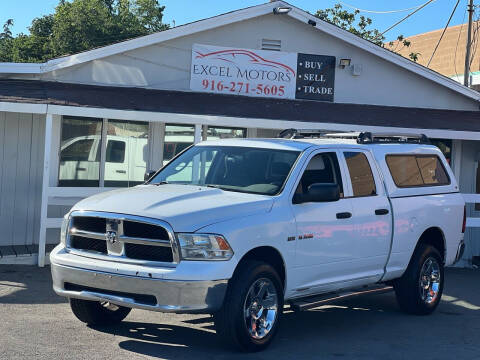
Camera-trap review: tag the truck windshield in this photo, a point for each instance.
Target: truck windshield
(231, 168)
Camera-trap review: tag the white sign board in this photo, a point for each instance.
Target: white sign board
(246, 72)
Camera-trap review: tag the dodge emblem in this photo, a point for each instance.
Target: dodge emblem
(111, 236)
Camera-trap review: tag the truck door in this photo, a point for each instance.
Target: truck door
(371, 218)
(116, 163)
(324, 229)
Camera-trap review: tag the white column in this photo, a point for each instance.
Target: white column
(45, 184)
(457, 159)
(198, 133)
(103, 152)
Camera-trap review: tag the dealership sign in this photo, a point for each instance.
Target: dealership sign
(262, 73)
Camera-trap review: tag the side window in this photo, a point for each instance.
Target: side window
(417, 170)
(363, 183)
(115, 151)
(322, 168)
(432, 170)
(78, 151)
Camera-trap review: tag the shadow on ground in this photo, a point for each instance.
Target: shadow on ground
(366, 327)
(21, 284)
(341, 329)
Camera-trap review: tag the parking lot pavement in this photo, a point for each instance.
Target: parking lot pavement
(37, 324)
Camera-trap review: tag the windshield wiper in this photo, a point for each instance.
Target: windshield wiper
(160, 183)
(215, 186)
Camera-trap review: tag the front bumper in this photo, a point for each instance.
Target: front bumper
(162, 295)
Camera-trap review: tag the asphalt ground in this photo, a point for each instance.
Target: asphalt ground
(37, 324)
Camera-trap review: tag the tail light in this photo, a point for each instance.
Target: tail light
(464, 219)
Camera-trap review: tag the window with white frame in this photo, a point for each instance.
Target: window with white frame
(96, 152)
(177, 139)
(79, 152)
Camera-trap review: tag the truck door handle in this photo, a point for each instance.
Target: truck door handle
(344, 215)
(121, 171)
(81, 169)
(381, 212)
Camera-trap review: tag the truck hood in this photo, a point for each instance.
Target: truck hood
(186, 208)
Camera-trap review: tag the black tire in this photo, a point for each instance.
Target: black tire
(230, 322)
(96, 313)
(408, 288)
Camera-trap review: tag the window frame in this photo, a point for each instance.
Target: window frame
(349, 176)
(102, 147)
(419, 170)
(309, 157)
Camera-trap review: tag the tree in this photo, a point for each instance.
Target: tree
(80, 25)
(6, 41)
(349, 21)
(361, 26)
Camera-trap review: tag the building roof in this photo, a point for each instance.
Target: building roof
(180, 102)
(449, 58)
(233, 17)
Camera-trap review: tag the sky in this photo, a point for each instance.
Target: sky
(434, 16)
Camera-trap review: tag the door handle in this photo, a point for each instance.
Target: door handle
(81, 169)
(344, 215)
(121, 171)
(381, 212)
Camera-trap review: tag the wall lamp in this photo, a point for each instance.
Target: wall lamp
(281, 10)
(344, 63)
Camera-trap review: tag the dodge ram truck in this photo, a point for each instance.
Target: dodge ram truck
(238, 228)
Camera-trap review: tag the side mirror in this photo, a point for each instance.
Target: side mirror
(319, 192)
(148, 175)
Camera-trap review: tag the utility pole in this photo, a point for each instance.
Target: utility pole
(466, 73)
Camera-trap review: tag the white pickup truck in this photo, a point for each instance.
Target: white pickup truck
(237, 228)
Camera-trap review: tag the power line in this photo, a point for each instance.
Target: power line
(475, 39)
(458, 40)
(443, 32)
(404, 18)
(379, 12)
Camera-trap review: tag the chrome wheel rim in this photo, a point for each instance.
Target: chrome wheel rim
(429, 282)
(261, 308)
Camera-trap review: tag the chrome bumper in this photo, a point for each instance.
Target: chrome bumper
(139, 292)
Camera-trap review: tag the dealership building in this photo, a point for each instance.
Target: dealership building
(97, 120)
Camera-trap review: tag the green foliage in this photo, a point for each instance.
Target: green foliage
(359, 26)
(80, 25)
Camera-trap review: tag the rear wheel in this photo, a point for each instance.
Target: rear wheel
(98, 313)
(420, 288)
(251, 312)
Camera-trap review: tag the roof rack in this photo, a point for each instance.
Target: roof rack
(381, 138)
(315, 134)
(362, 138)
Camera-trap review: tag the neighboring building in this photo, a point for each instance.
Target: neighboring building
(85, 123)
(449, 59)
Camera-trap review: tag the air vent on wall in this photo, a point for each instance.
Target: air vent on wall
(269, 44)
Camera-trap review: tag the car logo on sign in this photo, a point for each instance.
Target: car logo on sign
(111, 236)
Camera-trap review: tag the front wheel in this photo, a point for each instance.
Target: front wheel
(420, 288)
(98, 313)
(251, 312)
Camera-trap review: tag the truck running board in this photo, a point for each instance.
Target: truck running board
(318, 300)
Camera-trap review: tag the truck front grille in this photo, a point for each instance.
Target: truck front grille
(84, 243)
(121, 237)
(148, 252)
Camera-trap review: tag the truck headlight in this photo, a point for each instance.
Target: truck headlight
(64, 229)
(204, 247)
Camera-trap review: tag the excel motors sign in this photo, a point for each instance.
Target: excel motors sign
(243, 72)
(262, 73)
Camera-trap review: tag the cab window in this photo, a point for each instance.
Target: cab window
(324, 169)
(417, 170)
(363, 183)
